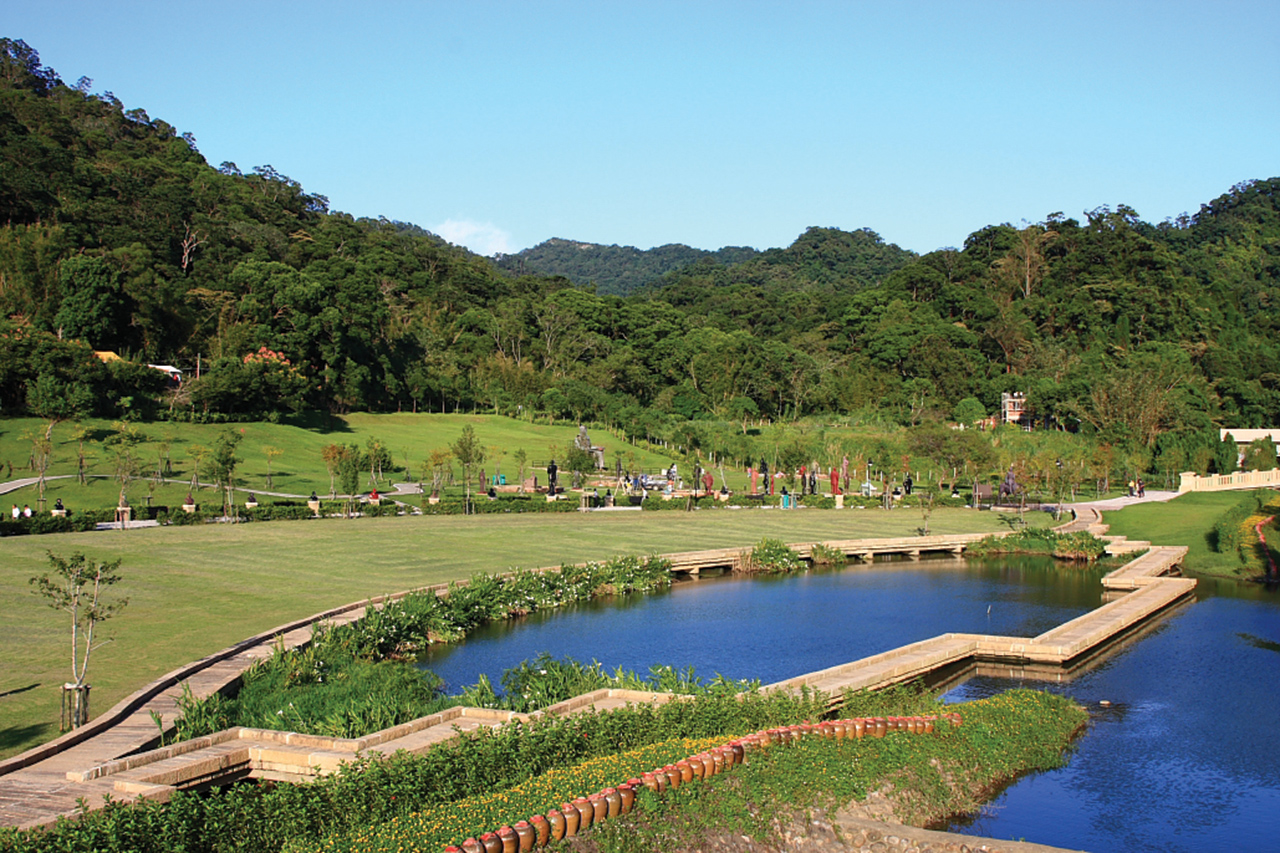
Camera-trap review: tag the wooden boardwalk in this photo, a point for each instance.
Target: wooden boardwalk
(111, 755)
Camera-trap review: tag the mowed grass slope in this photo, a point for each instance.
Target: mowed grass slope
(194, 590)
(1185, 520)
(300, 468)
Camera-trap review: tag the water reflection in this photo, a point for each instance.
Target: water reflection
(780, 627)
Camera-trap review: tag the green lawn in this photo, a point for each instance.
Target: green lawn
(194, 590)
(1186, 520)
(300, 468)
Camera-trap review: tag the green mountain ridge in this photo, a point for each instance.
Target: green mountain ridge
(115, 234)
(614, 269)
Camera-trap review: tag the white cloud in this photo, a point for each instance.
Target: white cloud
(483, 238)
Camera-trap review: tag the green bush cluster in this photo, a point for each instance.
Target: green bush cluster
(774, 557)
(1037, 540)
(536, 684)
(268, 817)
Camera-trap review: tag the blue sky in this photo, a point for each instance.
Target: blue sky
(502, 124)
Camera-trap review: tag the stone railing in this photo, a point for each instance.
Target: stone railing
(1193, 482)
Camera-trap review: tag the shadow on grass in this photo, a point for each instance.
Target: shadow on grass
(321, 422)
(17, 690)
(17, 736)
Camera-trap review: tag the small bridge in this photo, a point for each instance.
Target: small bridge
(735, 559)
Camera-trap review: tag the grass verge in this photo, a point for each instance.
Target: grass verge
(1189, 520)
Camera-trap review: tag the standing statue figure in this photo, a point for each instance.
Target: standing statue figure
(551, 475)
(1009, 487)
(582, 442)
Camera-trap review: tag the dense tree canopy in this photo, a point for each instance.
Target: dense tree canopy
(115, 234)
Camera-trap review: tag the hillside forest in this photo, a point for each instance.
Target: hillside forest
(116, 235)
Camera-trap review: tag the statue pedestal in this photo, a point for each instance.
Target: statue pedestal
(58, 513)
(839, 501)
(188, 508)
(314, 506)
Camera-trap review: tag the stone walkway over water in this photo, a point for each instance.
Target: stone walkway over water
(107, 757)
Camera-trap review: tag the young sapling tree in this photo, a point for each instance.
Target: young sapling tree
(77, 586)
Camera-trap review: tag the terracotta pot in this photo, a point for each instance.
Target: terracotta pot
(556, 821)
(510, 841)
(542, 830)
(635, 783)
(614, 800)
(686, 770)
(586, 812)
(766, 738)
(628, 794)
(718, 759)
(842, 729)
(882, 726)
(699, 769)
(526, 834)
(739, 752)
(453, 848)
(859, 728)
(491, 842)
(673, 775)
(472, 845)
(599, 808)
(572, 819)
(928, 724)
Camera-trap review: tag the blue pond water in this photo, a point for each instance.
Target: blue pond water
(1186, 756)
(1183, 758)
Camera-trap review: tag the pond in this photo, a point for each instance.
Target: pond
(777, 627)
(1184, 758)
(1180, 759)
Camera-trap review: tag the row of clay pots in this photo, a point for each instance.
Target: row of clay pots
(572, 817)
(857, 728)
(540, 830)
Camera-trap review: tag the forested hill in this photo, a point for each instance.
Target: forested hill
(617, 270)
(115, 234)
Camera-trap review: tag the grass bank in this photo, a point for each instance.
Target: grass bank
(1189, 520)
(194, 590)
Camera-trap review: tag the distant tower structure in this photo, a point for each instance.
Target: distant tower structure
(1013, 407)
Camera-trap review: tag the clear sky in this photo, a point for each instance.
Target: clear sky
(501, 124)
